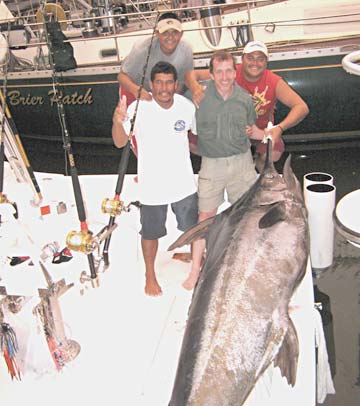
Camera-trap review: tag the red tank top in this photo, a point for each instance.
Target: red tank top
(263, 93)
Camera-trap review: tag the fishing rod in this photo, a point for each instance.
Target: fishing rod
(268, 141)
(15, 145)
(115, 206)
(83, 240)
(3, 197)
(11, 141)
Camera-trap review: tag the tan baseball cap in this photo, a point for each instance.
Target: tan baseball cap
(169, 24)
(254, 46)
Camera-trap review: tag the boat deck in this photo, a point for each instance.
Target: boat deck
(129, 342)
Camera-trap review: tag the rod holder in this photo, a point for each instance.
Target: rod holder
(320, 203)
(317, 177)
(86, 279)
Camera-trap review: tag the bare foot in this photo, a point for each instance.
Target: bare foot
(182, 256)
(152, 288)
(191, 280)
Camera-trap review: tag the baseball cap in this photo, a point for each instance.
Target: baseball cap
(169, 24)
(254, 46)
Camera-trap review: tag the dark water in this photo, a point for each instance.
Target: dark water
(342, 160)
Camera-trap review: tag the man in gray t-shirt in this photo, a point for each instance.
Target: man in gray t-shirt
(167, 46)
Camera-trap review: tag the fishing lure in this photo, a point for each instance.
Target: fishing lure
(9, 348)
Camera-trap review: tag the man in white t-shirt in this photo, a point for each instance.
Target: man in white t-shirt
(165, 174)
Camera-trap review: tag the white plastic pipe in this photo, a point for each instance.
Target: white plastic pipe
(317, 177)
(320, 203)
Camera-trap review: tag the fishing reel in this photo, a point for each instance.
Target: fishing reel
(114, 207)
(81, 241)
(4, 199)
(84, 241)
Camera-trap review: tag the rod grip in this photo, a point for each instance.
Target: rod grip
(107, 242)
(123, 167)
(93, 273)
(78, 195)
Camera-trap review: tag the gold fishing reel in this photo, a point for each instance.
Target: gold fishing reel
(3, 199)
(81, 241)
(113, 207)
(84, 241)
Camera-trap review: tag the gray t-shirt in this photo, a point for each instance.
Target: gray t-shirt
(133, 65)
(221, 124)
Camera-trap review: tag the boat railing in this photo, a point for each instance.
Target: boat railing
(147, 15)
(35, 28)
(137, 19)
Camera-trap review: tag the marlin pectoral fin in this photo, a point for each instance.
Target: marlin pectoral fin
(200, 230)
(287, 357)
(274, 215)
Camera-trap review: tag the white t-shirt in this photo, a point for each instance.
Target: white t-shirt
(165, 172)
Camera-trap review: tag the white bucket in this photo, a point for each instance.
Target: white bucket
(347, 218)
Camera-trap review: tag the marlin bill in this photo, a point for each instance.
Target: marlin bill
(238, 321)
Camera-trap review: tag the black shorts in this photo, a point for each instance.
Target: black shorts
(153, 218)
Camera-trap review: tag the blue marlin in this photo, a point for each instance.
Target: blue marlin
(238, 322)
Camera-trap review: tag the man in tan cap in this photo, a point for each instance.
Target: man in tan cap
(265, 87)
(167, 46)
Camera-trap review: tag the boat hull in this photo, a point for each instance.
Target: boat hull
(89, 98)
(88, 101)
(330, 93)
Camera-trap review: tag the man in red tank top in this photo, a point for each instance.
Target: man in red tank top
(262, 89)
(265, 88)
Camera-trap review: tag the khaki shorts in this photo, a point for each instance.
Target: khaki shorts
(234, 174)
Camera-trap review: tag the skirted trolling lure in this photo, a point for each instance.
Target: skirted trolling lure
(9, 348)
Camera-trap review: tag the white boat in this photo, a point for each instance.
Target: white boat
(130, 343)
(307, 42)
